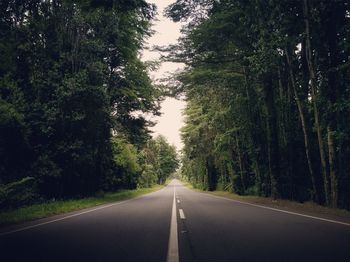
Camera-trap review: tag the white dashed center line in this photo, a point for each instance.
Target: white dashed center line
(173, 249)
(182, 215)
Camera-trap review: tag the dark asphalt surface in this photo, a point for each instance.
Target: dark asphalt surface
(214, 229)
(217, 229)
(135, 230)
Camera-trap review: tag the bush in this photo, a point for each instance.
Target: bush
(252, 191)
(20, 193)
(237, 185)
(14, 151)
(148, 177)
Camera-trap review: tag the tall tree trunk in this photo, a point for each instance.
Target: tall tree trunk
(308, 52)
(240, 159)
(252, 134)
(272, 135)
(258, 179)
(334, 181)
(304, 128)
(336, 11)
(283, 113)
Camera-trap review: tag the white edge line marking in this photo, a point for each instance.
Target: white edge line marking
(282, 211)
(182, 215)
(69, 216)
(173, 248)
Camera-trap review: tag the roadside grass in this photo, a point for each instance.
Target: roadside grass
(190, 186)
(308, 208)
(43, 210)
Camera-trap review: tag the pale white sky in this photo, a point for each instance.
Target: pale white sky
(167, 32)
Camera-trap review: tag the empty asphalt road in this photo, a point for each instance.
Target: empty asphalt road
(177, 224)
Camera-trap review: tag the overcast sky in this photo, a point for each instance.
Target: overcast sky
(167, 32)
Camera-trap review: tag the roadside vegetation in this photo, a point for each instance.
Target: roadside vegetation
(268, 95)
(148, 170)
(307, 208)
(73, 99)
(53, 207)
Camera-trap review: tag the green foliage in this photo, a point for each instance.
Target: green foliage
(70, 76)
(51, 208)
(132, 168)
(126, 166)
(125, 155)
(256, 121)
(148, 176)
(13, 143)
(162, 157)
(19, 193)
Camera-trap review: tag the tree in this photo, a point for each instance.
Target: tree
(162, 157)
(266, 88)
(70, 75)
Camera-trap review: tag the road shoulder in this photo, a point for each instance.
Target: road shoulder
(307, 208)
(29, 216)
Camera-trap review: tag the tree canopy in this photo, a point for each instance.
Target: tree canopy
(73, 94)
(267, 91)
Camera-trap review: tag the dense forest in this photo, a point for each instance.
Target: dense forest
(267, 85)
(73, 99)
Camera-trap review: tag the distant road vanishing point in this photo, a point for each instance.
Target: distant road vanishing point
(177, 224)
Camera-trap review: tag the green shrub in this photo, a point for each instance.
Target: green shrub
(148, 177)
(252, 191)
(237, 184)
(20, 193)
